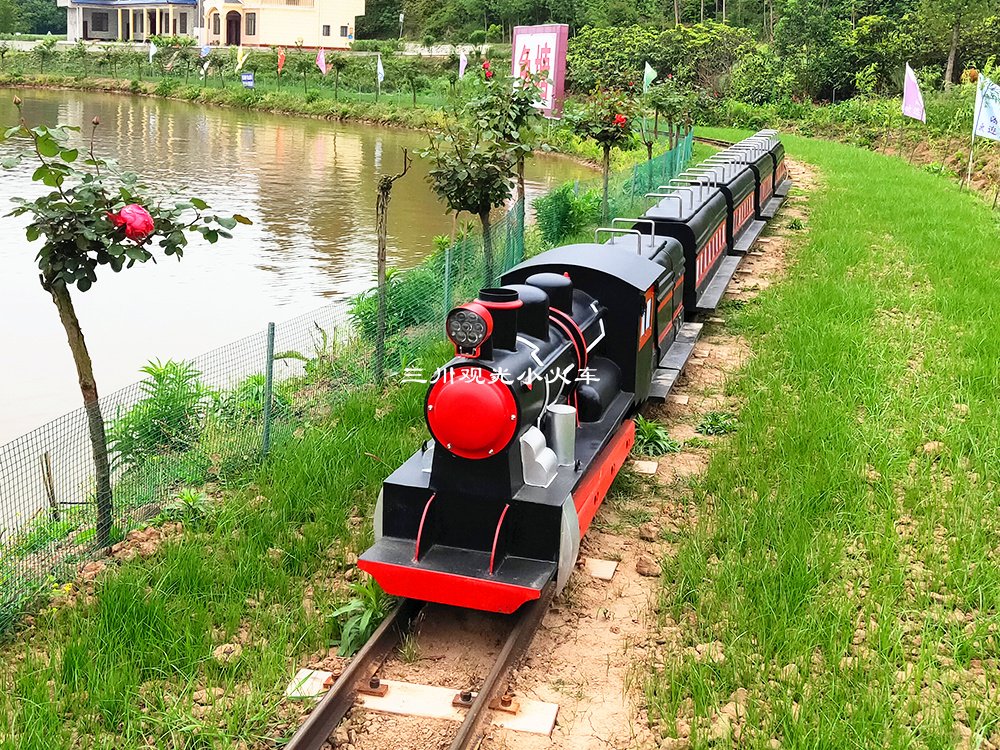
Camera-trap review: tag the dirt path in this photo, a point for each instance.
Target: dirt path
(599, 639)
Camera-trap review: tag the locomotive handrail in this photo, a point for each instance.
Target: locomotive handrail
(679, 188)
(652, 226)
(616, 230)
(702, 187)
(680, 201)
(713, 171)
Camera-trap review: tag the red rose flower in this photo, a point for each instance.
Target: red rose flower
(136, 220)
(489, 73)
(621, 120)
(670, 75)
(486, 65)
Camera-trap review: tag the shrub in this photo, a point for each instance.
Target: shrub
(167, 419)
(245, 403)
(564, 213)
(412, 298)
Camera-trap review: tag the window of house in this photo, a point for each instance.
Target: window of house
(251, 24)
(183, 23)
(326, 31)
(98, 21)
(343, 31)
(216, 24)
(140, 19)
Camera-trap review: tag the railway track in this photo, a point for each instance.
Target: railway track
(714, 142)
(363, 675)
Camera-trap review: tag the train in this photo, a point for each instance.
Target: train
(531, 421)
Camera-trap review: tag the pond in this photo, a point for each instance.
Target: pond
(308, 185)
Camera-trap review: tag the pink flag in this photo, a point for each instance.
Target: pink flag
(913, 101)
(463, 62)
(321, 61)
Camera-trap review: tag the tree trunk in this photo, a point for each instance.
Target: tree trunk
(949, 73)
(336, 85)
(702, 11)
(414, 88)
(381, 232)
(606, 169)
(677, 12)
(484, 219)
(95, 421)
(522, 203)
(656, 124)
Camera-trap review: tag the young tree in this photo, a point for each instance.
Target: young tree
(336, 63)
(304, 65)
(111, 55)
(470, 172)
(81, 54)
(94, 217)
(382, 196)
(506, 109)
(409, 71)
(44, 52)
(605, 118)
(4, 50)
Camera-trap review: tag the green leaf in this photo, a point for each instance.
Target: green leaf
(199, 204)
(83, 284)
(11, 161)
(69, 155)
(41, 173)
(11, 132)
(47, 147)
(226, 222)
(31, 233)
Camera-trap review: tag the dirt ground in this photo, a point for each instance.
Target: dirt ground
(599, 637)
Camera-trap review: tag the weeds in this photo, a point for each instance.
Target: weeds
(188, 506)
(652, 438)
(717, 423)
(363, 613)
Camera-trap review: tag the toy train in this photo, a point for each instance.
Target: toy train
(531, 421)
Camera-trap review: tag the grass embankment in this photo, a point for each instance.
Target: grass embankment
(432, 111)
(117, 662)
(846, 553)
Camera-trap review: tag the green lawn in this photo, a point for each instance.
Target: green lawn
(850, 527)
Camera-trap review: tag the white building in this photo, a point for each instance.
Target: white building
(131, 20)
(251, 23)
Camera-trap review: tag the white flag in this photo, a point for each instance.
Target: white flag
(152, 51)
(463, 63)
(379, 70)
(987, 112)
(913, 100)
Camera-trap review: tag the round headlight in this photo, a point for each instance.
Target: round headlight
(467, 328)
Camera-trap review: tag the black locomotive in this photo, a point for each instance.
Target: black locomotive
(531, 421)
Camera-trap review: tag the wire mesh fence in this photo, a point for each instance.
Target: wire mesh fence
(207, 420)
(569, 210)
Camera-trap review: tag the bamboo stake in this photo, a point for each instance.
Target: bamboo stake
(50, 487)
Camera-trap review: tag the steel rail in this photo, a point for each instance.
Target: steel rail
(332, 709)
(518, 642)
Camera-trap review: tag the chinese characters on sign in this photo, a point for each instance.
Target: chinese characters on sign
(542, 49)
(505, 376)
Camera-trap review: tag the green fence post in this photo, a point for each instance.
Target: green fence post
(268, 391)
(447, 277)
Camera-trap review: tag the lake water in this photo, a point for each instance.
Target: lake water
(309, 187)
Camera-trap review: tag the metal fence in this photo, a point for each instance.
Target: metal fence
(208, 420)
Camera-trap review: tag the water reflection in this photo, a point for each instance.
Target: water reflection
(307, 184)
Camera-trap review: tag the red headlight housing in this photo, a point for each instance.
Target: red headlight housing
(468, 327)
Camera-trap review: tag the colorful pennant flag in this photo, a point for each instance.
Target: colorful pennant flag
(321, 61)
(206, 51)
(913, 100)
(281, 60)
(463, 63)
(648, 76)
(241, 58)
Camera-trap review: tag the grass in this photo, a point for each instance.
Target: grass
(846, 550)
(263, 570)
